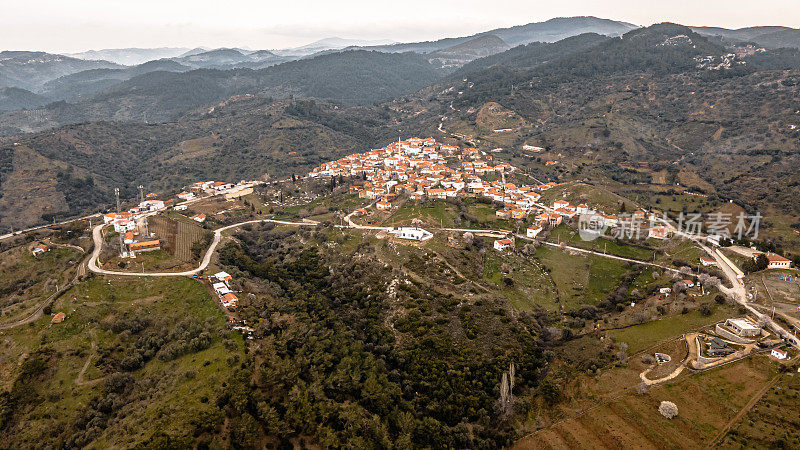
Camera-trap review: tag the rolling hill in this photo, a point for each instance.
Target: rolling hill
(460, 54)
(351, 77)
(768, 36)
(30, 70)
(12, 98)
(130, 56)
(549, 31)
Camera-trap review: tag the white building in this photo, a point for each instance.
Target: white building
(778, 353)
(503, 244)
(412, 233)
(223, 277)
(123, 225)
(221, 288)
(708, 261)
(743, 327)
(533, 231)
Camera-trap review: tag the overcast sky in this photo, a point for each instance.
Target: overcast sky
(77, 25)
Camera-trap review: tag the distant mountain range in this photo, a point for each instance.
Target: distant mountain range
(650, 89)
(130, 56)
(351, 77)
(768, 36)
(36, 79)
(549, 31)
(333, 43)
(30, 70)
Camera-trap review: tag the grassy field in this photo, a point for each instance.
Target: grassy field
(531, 284)
(436, 213)
(570, 236)
(596, 197)
(103, 322)
(674, 204)
(640, 337)
(580, 279)
(26, 280)
(773, 421)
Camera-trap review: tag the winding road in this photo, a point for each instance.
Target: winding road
(97, 235)
(737, 291)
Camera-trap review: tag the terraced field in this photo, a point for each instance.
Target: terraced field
(706, 402)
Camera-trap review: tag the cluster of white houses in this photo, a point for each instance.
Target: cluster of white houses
(229, 190)
(223, 290)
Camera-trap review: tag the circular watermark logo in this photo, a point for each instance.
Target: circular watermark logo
(591, 226)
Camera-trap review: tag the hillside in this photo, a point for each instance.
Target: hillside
(458, 55)
(351, 77)
(549, 31)
(768, 36)
(12, 98)
(650, 107)
(30, 70)
(73, 170)
(84, 84)
(531, 55)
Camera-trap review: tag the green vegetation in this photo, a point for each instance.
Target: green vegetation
(132, 364)
(27, 280)
(414, 367)
(640, 337)
(580, 279)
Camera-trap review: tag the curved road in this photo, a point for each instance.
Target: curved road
(97, 235)
(738, 291)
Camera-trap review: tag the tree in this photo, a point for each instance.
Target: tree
(668, 409)
(506, 400)
(642, 388)
(622, 354)
(760, 263)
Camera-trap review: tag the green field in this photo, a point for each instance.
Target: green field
(564, 233)
(26, 280)
(640, 337)
(103, 340)
(580, 279)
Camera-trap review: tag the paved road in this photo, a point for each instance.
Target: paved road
(97, 235)
(737, 291)
(18, 232)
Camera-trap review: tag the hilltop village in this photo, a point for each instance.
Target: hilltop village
(419, 168)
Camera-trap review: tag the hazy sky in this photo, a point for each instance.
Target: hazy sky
(76, 25)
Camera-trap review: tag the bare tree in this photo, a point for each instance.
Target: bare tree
(506, 400)
(622, 354)
(668, 409)
(469, 237)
